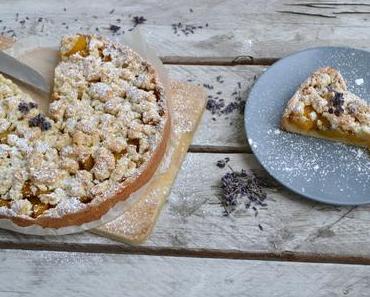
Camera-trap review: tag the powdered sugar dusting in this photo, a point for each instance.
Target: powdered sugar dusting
(131, 223)
(359, 81)
(64, 207)
(182, 111)
(300, 159)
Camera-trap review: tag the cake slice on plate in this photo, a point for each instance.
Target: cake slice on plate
(323, 107)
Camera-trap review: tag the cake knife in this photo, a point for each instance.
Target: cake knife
(21, 72)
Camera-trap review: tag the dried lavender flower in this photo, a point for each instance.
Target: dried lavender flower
(241, 187)
(114, 28)
(138, 20)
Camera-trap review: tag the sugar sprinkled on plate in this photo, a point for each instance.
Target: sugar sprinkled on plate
(359, 81)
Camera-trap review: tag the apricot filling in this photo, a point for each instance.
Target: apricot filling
(307, 124)
(38, 207)
(87, 164)
(4, 136)
(85, 199)
(79, 47)
(304, 124)
(4, 202)
(135, 142)
(119, 155)
(339, 134)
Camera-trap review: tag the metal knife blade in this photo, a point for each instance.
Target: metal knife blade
(23, 73)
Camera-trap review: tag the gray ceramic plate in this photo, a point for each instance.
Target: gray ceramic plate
(321, 170)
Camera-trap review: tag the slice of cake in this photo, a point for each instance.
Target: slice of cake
(322, 107)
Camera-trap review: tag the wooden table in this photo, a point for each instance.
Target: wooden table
(304, 249)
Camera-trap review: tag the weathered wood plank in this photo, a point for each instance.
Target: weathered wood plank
(225, 82)
(290, 223)
(25, 273)
(193, 218)
(192, 223)
(252, 29)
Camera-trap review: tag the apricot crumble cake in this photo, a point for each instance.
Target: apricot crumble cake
(103, 138)
(322, 107)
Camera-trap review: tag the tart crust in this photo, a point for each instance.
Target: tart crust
(150, 148)
(323, 108)
(340, 137)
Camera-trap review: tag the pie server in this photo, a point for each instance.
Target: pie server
(21, 72)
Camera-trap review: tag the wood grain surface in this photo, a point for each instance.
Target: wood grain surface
(60, 274)
(231, 30)
(225, 131)
(241, 254)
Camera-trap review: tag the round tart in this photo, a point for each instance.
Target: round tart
(103, 138)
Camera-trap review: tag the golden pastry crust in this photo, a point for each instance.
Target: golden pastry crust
(106, 134)
(322, 107)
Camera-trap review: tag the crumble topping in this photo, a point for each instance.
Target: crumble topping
(105, 121)
(323, 102)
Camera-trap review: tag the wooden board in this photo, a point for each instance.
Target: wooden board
(237, 31)
(60, 274)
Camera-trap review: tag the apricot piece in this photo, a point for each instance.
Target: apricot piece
(80, 47)
(37, 206)
(305, 124)
(4, 202)
(4, 136)
(87, 164)
(39, 209)
(119, 155)
(26, 190)
(325, 122)
(302, 123)
(307, 110)
(85, 199)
